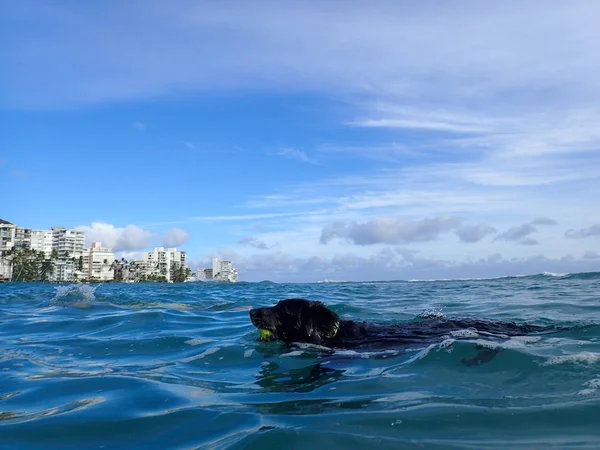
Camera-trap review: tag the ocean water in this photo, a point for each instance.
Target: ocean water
(144, 366)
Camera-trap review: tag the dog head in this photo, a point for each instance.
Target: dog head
(297, 320)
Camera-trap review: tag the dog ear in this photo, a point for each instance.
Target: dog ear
(321, 323)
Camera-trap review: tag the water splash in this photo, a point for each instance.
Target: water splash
(74, 293)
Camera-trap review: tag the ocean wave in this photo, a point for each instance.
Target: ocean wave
(332, 281)
(165, 358)
(587, 358)
(542, 275)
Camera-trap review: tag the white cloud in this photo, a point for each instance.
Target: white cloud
(529, 241)
(245, 217)
(474, 233)
(175, 237)
(254, 242)
(389, 231)
(593, 230)
(129, 238)
(521, 232)
(544, 221)
(398, 263)
(469, 51)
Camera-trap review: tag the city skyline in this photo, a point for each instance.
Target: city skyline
(63, 256)
(343, 140)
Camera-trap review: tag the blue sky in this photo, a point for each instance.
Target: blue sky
(305, 141)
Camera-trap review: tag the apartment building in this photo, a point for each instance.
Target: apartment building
(223, 271)
(38, 240)
(67, 242)
(7, 235)
(41, 241)
(160, 261)
(7, 241)
(97, 263)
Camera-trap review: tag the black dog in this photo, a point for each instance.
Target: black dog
(300, 320)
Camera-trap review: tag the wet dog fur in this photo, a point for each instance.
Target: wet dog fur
(300, 320)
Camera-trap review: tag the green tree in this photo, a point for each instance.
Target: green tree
(179, 274)
(26, 263)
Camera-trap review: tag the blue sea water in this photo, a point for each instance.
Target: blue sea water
(168, 366)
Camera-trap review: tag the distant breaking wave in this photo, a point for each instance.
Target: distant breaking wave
(543, 275)
(332, 281)
(567, 276)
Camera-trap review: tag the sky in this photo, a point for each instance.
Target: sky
(307, 141)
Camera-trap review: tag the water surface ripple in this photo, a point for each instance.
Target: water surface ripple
(122, 366)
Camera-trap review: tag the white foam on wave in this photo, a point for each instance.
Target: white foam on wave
(346, 353)
(512, 343)
(552, 274)
(432, 314)
(487, 344)
(526, 339)
(576, 358)
(248, 353)
(331, 281)
(446, 344)
(592, 387)
(308, 346)
(465, 333)
(421, 354)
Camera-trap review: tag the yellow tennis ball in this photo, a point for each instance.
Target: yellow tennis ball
(264, 333)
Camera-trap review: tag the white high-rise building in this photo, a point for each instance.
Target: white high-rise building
(7, 241)
(7, 235)
(216, 267)
(223, 271)
(160, 261)
(67, 242)
(69, 245)
(97, 263)
(41, 241)
(38, 240)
